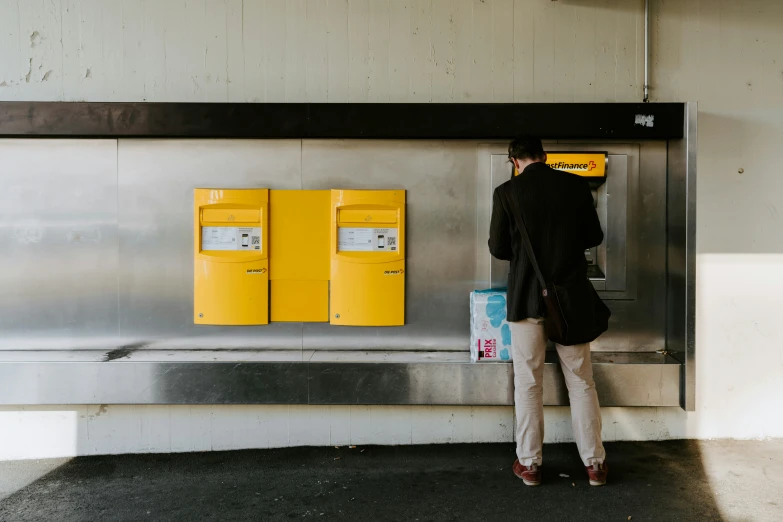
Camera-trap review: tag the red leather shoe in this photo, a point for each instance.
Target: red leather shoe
(597, 474)
(530, 475)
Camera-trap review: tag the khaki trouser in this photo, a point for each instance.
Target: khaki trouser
(528, 342)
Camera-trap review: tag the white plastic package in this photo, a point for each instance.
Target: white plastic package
(490, 335)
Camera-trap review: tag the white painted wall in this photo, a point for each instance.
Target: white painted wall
(726, 55)
(57, 431)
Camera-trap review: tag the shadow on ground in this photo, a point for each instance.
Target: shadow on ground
(648, 481)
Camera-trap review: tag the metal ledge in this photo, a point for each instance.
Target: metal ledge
(333, 377)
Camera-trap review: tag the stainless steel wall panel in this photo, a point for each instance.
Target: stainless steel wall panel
(96, 253)
(489, 160)
(615, 222)
(688, 389)
(647, 322)
(411, 383)
(681, 280)
(183, 377)
(156, 182)
(637, 384)
(501, 171)
(440, 180)
(58, 244)
(153, 383)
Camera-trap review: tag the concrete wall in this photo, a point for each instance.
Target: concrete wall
(321, 50)
(726, 55)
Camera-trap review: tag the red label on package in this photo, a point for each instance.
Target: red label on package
(490, 349)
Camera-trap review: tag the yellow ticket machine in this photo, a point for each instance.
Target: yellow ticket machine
(367, 258)
(231, 272)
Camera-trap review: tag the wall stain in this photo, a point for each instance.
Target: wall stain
(773, 211)
(122, 351)
(103, 408)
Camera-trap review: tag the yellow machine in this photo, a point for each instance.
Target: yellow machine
(367, 258)
(299, 255)
(231, 272)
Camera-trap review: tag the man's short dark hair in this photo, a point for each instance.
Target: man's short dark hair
(525, 148)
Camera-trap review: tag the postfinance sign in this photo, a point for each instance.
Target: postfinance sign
(591, 164)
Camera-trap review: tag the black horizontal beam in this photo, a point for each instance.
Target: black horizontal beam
(343, 120)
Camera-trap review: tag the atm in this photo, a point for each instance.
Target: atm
(629, 268)
(613, 182)
(593, 167)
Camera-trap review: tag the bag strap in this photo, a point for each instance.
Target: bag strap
(514, 210)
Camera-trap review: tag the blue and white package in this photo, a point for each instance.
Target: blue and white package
(490, 335)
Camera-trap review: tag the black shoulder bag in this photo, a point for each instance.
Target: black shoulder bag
(574, 312)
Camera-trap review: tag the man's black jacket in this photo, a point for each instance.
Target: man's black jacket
(561, 220)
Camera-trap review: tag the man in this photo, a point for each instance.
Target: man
(560, 217)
